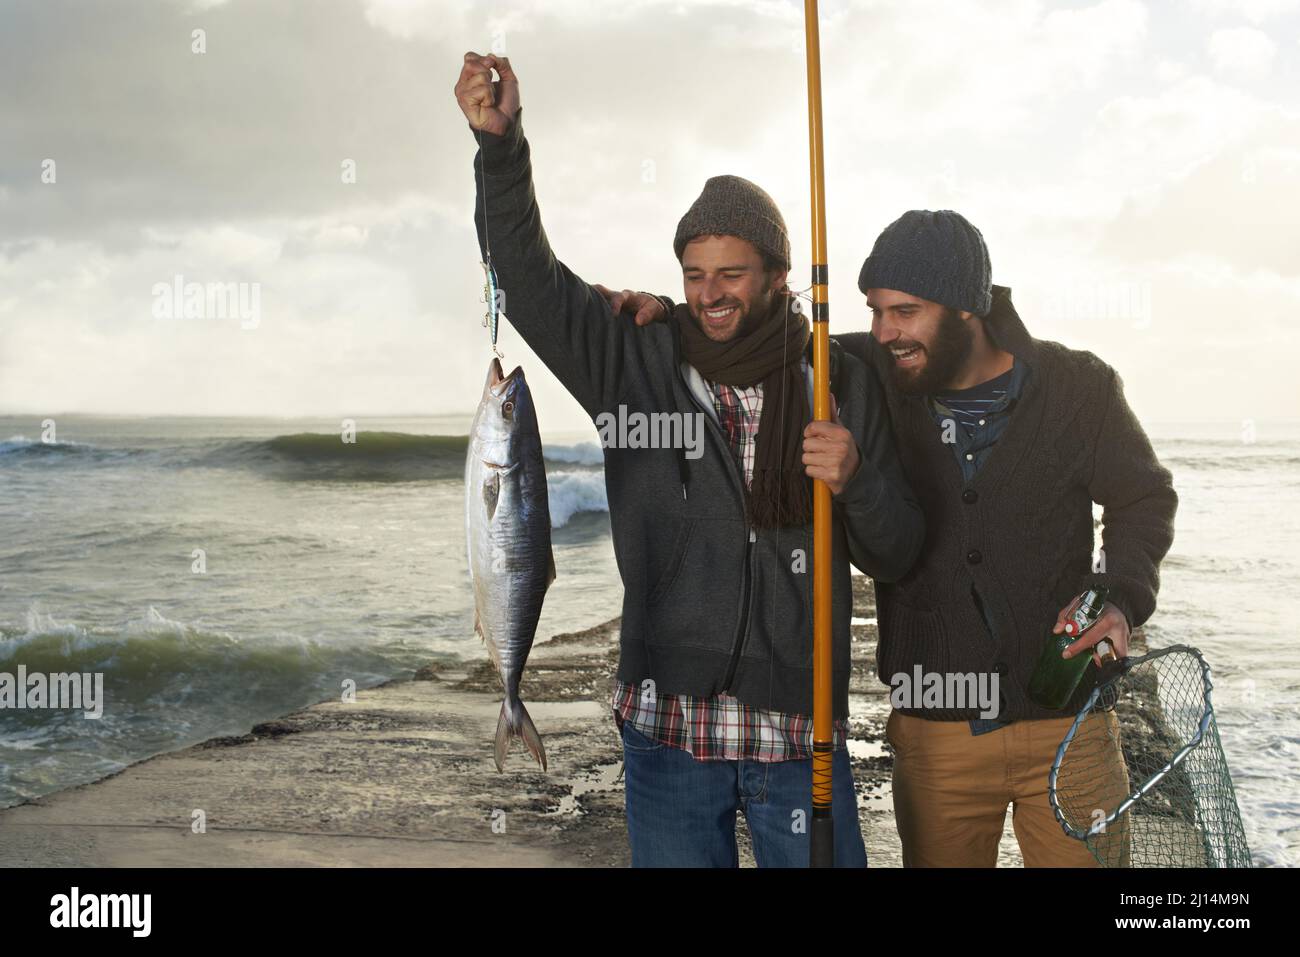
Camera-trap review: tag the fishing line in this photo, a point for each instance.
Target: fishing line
(487, 238)
(804, 294)
(771, 658)
(792, 295)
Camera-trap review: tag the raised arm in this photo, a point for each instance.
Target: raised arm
(563, 319)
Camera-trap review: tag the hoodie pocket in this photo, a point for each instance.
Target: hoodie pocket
(694, 600)
(670, 572)
(783, 597)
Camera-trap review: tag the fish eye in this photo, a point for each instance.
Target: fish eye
(508, 407)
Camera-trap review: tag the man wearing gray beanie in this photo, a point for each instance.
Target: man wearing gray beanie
(1008, 441)
(714, 685)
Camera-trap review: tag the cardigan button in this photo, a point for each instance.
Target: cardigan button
(974, 557)
(970, 496)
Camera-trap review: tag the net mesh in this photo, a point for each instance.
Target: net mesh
(1141, 777)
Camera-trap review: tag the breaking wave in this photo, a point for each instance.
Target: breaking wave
(298, 457)
(573, 492)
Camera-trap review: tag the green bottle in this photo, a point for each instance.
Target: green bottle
(1055, 678)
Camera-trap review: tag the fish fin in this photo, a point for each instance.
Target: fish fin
(502, 744)
(550, 569)
(491, 648)
(533, 740)
(491, 492)
(525, 729)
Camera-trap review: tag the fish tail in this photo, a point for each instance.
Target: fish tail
(503, 737)
(520, 727)
(533, 740)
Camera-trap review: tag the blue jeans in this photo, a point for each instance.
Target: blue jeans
(682, 812)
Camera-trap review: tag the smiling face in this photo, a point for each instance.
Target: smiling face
(930, 343)
(727, 290)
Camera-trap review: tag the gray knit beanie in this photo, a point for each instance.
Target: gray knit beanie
(934, 255)
(732, 206)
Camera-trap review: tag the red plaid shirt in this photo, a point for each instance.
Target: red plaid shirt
(720, 728)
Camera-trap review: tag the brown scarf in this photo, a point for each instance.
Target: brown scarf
(780, 493)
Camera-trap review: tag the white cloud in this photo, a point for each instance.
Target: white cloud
(1170, 71)
(1256, 11)
(410, 18)
(495, 23)
(941, 70)
(199, 6)
(1237, 206)
(1241, 52)
(1145, 140)
(1080, 138)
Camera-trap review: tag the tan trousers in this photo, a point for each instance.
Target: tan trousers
(952, 788)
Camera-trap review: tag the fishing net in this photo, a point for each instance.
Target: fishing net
(1141, 777)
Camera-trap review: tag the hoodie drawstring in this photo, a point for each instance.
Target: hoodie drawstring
(682, 471)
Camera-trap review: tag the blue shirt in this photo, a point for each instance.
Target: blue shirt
(971, 421)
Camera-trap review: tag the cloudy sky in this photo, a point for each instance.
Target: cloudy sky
(1134, 167)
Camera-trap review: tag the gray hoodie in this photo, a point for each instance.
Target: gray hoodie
(709, 605)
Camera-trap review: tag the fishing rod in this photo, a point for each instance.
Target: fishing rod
(822, 828)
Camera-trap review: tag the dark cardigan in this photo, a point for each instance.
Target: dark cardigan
(1021, 532)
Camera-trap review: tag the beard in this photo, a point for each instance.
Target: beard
(750, 319)
(944, 357)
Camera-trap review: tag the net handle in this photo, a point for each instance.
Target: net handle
(1124, 666)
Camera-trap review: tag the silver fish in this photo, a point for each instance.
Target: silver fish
(508, 532)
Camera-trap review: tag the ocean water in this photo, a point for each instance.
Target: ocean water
(326, 562)
(1229, 587)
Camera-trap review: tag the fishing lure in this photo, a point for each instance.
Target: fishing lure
(492, 296)
(491, 290)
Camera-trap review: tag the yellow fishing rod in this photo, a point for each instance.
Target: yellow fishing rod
(822, 829)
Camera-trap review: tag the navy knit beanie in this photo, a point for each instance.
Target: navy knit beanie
(934, 255)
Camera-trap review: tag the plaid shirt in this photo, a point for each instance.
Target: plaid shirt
(720, 728)
(739, 410)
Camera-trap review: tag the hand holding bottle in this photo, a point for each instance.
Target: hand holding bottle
(1111, 627)
(1060, 663)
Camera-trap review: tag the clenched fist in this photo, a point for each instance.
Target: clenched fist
(488, 104)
